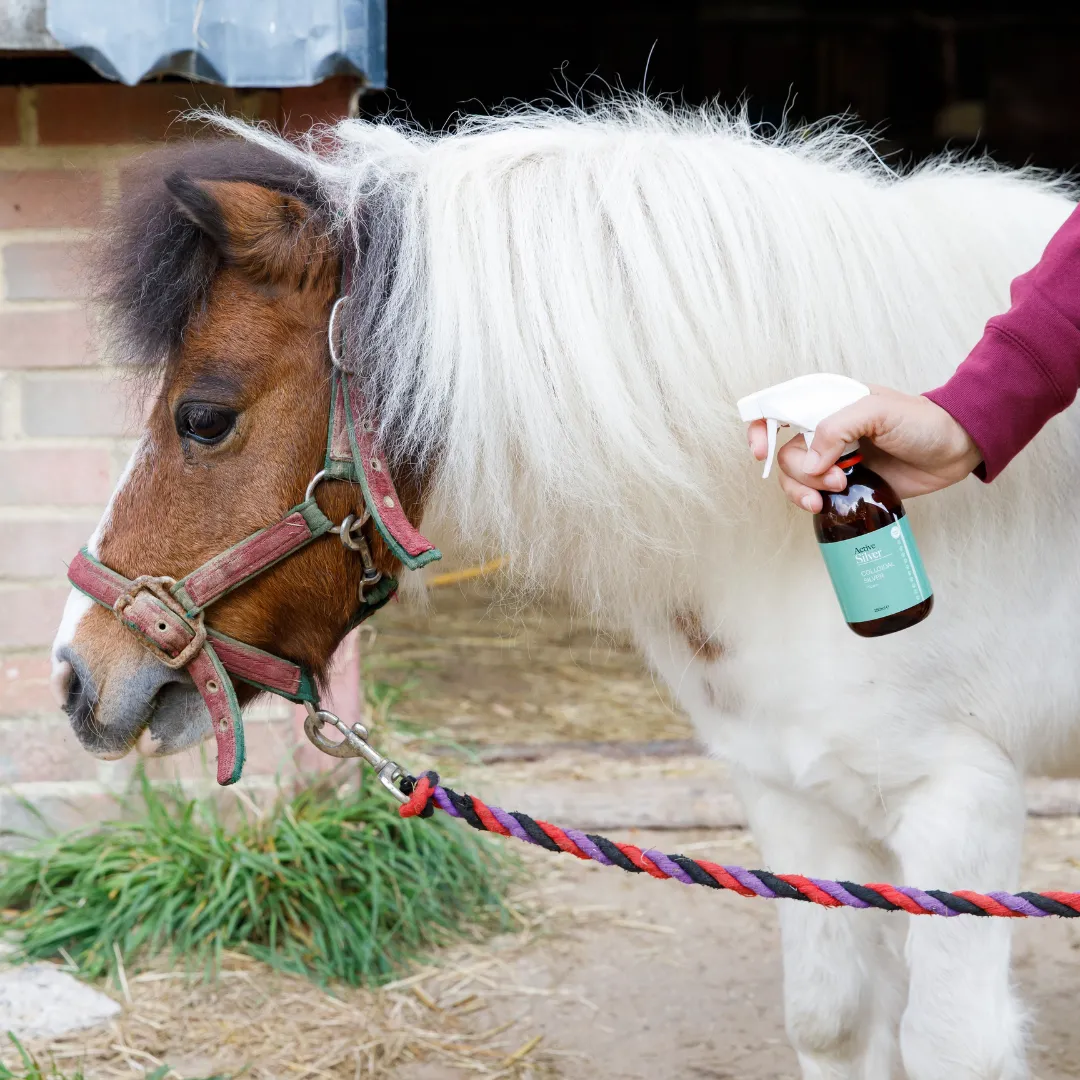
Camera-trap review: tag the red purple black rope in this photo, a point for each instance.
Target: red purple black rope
(426, 793)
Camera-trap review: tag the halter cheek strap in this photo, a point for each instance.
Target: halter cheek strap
(352, 454)
(168, 616)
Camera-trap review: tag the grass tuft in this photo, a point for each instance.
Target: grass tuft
(333, 886)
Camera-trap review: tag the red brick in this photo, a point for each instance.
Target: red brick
(77, 477)
(326, 103)
(24, 685)
(29, 615)
(36, 549)
(9, 115)
(43, 749)
(38, 198)
(80, 405)
(45, 339)
(345, 693)
(42, 271)
(72, 115)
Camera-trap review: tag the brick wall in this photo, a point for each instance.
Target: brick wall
(66, 428)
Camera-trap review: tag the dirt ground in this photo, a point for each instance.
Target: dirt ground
(667, 981)
(605, 971)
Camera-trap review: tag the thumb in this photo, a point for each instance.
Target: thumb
(863, 418)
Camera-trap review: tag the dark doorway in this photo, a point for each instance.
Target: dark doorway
(983, 76)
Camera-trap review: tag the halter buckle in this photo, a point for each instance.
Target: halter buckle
(160, 587)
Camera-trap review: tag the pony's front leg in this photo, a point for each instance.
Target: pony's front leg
(843, 973)
(962, 829)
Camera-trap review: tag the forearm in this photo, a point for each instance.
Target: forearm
(1026, 367)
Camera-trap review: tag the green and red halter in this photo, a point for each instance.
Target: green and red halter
(168, 616)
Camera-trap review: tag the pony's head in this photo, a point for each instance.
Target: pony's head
(220, 273)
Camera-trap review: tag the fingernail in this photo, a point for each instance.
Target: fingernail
(807, 502)
(812, 461)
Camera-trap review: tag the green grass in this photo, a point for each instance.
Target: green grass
(337, 887)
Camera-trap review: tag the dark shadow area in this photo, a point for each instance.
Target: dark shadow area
(1002, 77)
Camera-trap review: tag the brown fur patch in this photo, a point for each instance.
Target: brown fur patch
(702, 644)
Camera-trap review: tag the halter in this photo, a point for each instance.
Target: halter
(168, 616)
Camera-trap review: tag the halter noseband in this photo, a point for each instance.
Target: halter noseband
(168, 616)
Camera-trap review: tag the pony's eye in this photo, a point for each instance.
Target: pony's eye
(203, 422)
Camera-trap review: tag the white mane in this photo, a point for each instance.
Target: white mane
(560, 308)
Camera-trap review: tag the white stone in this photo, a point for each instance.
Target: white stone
(41, 1001)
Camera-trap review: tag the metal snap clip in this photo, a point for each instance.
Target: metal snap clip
(353, 744)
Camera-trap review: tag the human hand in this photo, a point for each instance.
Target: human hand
(915, 445)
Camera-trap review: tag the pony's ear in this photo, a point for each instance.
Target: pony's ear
(268, 234)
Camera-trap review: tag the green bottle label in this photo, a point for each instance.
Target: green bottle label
(878, 573)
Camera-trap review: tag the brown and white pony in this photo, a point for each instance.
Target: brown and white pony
(553, 314)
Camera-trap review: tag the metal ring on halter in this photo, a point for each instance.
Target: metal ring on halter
(353, 744)
(315, 481)
(349, 529)
(348, 532)
(335, 356)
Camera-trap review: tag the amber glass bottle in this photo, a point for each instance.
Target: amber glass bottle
(866, 541)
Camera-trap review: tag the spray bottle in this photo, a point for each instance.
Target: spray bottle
(862, 531)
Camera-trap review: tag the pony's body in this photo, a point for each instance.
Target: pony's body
(555, 315)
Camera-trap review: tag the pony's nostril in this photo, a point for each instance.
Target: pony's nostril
(80, 698)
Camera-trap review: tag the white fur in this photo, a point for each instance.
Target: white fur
(578, 301)
(77, 603)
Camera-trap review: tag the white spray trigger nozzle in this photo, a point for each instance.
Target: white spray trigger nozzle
(800, 403)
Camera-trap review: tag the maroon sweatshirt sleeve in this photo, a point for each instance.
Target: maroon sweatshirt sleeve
(1026, 367)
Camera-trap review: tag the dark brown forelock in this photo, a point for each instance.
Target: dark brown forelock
(153, 266)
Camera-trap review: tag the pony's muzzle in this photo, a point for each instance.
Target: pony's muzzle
(150, 704)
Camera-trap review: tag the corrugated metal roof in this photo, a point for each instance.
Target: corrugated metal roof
(232, 42)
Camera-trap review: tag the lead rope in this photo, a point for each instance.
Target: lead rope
(420, 798)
